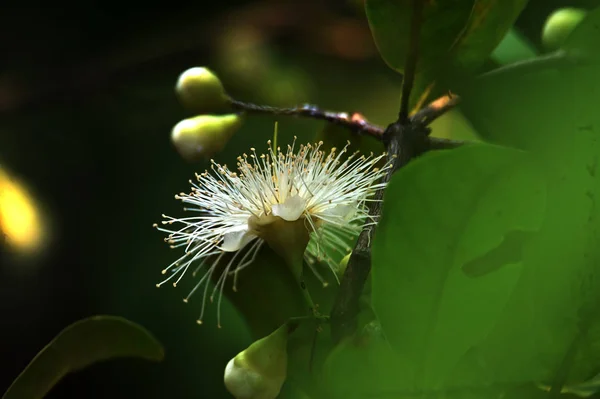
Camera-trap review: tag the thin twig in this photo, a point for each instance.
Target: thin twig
(435, 109)
(355, 122)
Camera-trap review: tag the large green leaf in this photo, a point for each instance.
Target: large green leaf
(458, 33)
(440, 213)
(517, 106)
(550, 330)
(83, 343)
(489, 22)
(365, 366)
(443, 22)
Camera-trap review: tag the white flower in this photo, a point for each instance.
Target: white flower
(328, 191)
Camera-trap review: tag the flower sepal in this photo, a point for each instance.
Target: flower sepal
(288, 239)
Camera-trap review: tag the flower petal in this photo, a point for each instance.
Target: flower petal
(291, 209)
(345, 212)
(236, 240)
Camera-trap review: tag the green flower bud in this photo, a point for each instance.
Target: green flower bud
(259, 371)
(201, 90)
(559, 26)
(204, 135)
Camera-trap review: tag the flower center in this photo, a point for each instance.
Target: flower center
(287, 238)
(291, 209)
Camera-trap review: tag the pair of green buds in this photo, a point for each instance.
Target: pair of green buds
(202, 136)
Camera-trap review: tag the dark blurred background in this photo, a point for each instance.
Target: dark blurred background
(87, 103)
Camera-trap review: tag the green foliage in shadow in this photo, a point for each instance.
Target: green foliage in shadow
(80, 345)
(440, 213)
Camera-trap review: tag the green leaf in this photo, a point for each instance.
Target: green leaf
(516, 106)
(83, 343)
(364, 366)
(440, 212)
(550, 329)
(488, 24)
(443, 22)
(455, 33)
(514, 47)
(510, 250)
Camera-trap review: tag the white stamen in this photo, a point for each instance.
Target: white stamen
(329, 190)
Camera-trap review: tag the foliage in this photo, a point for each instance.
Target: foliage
(485, 262)
(461, 205)
(80, 345)
(454, 34)
(530, 315)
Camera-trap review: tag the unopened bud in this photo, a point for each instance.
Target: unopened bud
(205, 135)
(259, 371)
(202, 91)
(559, 26)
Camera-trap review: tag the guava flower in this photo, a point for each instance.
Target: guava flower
(323, 194)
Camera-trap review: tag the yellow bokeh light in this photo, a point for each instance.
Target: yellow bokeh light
(20, 219)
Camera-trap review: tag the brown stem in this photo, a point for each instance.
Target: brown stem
(406, 143)
(355, 122)
(352, 121)
(435, 109)
(411, 62)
